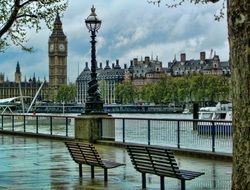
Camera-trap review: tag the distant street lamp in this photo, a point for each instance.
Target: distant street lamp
(94, 104)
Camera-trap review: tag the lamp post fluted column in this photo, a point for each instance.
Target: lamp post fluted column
(94, 104)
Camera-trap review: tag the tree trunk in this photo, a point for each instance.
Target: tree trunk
(239, 41)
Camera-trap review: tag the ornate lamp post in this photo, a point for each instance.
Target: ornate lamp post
(94, 104)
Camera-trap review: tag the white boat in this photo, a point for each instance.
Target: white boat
(186, 111)
(221, 114)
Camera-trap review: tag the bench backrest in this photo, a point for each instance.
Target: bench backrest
(83, 153)
(159, 161)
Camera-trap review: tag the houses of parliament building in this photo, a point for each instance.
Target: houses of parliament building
(57, 51)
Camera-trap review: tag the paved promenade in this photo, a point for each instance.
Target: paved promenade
(30, 163)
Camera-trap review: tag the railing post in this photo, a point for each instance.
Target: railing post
(36, 124)
(13, 122)
(123, 130)
(67, 127)
(100, 128)
(2, 122)
(24, 124)
(178, 134)
(50, 125)
(149, 132)
(213, 137)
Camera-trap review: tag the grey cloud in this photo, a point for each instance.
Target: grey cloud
(130, 29)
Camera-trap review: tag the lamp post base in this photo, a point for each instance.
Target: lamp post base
(94, 108)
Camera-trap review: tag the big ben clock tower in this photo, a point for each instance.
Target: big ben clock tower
(58, 50)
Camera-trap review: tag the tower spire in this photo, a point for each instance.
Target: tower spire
(18, 73)
(58, 30)
(18, 67)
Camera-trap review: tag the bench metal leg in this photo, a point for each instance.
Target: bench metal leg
(105, 174)
(143, 178)
(162, 182)
(80, 170)
(92, 172)
(183, 186)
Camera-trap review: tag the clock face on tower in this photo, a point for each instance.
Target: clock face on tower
(61, 47)
(51, 47)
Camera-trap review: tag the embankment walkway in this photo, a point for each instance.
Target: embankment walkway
(35, 163)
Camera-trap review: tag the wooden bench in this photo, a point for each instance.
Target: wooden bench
(158, 161)
(83, 153)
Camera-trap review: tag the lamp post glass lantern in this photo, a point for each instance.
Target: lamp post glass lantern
(94, 104)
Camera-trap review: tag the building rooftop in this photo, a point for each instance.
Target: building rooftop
(33, 163)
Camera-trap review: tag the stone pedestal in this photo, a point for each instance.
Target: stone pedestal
(88, 127)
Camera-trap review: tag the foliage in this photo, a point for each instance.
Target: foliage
(177, 3)
(180, 89)
(103, 90)
(19, 15)
(125, 93)
(66, 93)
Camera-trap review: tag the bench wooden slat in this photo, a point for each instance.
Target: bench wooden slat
(188, 175)
(111, 164)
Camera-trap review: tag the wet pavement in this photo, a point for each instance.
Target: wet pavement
(30, 163)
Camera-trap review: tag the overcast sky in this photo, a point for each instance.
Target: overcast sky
(129, 29)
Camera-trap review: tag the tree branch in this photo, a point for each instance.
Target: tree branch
(26, 15)
(27, 2)
(159, 1)
(11, 19)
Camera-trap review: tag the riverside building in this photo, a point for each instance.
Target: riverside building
(207, 66)
(144, 72)
(28, 87)
(139, 73)
(108, 78)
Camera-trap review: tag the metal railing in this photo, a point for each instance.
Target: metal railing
(51, 125)
(214, 136)
(208, 135)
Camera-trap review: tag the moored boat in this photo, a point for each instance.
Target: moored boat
(220, 120)
(186, 111)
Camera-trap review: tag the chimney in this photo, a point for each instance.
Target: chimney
(86, 67)
(125, 66)
(183, 57)
(113, 65)
(107, 65)
(101, 65)
(146, 60)
(131, 64)
(117, 62)
(135, 61)
(202, 56)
